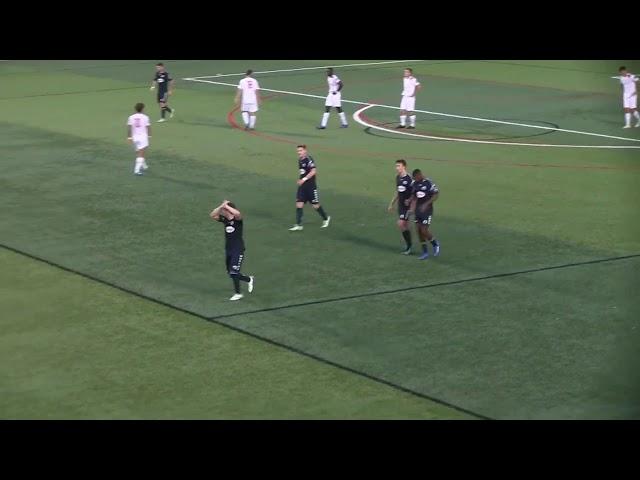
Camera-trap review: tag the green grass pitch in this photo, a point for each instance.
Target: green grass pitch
(530, 312)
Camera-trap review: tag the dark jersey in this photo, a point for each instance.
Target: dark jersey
(232, 234)
(403, 186)
(163, 79)
(305, 166)
(423, 191)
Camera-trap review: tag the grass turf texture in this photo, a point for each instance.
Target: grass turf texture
(548, 344)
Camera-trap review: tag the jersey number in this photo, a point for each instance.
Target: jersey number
(137, 123)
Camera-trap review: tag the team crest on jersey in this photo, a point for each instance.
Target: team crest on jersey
(420, 194)
(402, 188)
(229, 229)
(302, 171)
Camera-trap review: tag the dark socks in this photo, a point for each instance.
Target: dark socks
(236, 283)
(322, 214)
(424, 247)
(406, 234)
(298, 216)
(434, 242)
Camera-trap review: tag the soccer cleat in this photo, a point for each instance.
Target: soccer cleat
(237, 296)
(346, 125)
(161, 120)
(424, 256)
(627, 126)
(436, 250)
(137, 173)
(296, 228)
(401, 126)
(145, 167)
(320, 127)
(250, 287)
(173, 111)
(637, 125)
(326, 222)
(406, 252)
(412, 126)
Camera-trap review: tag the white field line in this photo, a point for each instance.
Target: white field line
(451, 115)
(219, 75)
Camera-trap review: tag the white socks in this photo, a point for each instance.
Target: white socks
(627, 119)
(139, 163)
(636, 115)
(245, 118)
(403, 120)
(252, 121)
(412, 118)
(343, 118)
(325, 119)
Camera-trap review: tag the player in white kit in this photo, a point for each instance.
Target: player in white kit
(411, 86)
(334, 99)
(138, 133)
(249, 90)
(629, 96)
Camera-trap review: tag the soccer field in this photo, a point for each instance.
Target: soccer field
(531, 311)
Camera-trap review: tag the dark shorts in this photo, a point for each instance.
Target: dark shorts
(423, 218)
(403, 212)
(163, 97)
(234, 261)
(308, 194)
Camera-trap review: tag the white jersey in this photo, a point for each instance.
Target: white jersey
(138, 123)
(409, 84)
(249, 86)
(334, 83)
(628, 82)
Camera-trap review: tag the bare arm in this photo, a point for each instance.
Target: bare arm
(310, 175)
(237, 99)
(172, 84)
(418, 88)
(393, 201)
(258, 98)
(128, 132)
(215, 214)
(149, 130)
(236, 213)
(153, 84)
(340, 85)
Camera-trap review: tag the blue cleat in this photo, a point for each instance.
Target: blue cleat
(346, 125)
(424, 256)
(436, 250)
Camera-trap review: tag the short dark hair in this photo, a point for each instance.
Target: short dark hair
(622, 68)
(402, 162)
(159, 64)
(249, 72)
(410, 69)
(139, 107)
(302, 146)
(416, 172)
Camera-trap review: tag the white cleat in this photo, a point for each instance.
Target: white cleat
(145, 167)
(137, 173)
(325, 223)
(173, 111)
(161, 120)
(627, 126)
(237, 296)
(637, 125)
(250, 287)
(296, 228)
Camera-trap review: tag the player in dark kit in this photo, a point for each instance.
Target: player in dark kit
(403, 198)
(227, 214)
(425, 192)
(164, 82)
(307, 189)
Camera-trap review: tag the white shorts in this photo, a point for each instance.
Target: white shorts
(250, 107)
(408, 104)
(630, 102)
(334, 100)
(140, 142)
